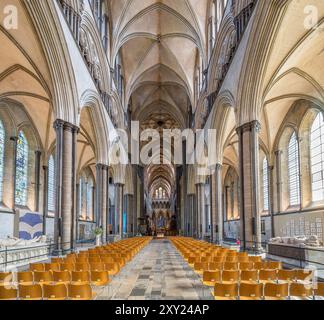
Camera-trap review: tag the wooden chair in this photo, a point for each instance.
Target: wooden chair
(82, 266)
(56, 291)
(30, 292)
(6, 277)
(211, 277)
(215, 266)
(245, 266)
(268, 276)
(276, 291)
(249, 276)
(80, 292)
(319, 290)
(304, 276)
(223, 291)
(255, 259)
(37, 267)
(8, 293)
(80, 277)
(231, 266)
(45, 277)
(62, 277)
(200, 267)
(275, 265)
(300, 290)
(249, 291)
(67, 267)
(97, 266)
(112, 268)
(100, 278)
(230, 276)
(286, 276)
(26, 277)
(52, 267)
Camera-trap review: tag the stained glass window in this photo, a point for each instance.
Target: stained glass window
(265, 175)
(2, 149)
(317, 158)
(293, 171)
(21, 170)
(51, 185)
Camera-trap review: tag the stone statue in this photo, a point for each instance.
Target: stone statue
(12, 242)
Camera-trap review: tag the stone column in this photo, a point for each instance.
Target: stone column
(135, 202)
(119, 208)
(45, 198)
(200, 209)
(129, 209)
(217, 205)
(249, 185)
(101, 199)
(65, 215)
(191, 214)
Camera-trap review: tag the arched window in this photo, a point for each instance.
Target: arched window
(2, 152)
(317, 158)
(21, 170)
(89, 199)
(51, 185)
(265, 176)
(86, 198)
(293, 171)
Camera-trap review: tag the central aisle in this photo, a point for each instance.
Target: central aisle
(158, 272)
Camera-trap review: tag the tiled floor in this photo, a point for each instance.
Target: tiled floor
(158, 272)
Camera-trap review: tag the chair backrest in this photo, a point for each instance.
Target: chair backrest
(55, 291)
(249, 275)
(255, 258)
(214, 276)
(231, 276)
(100, 276)
(82, 292)
(232, 259)
(319, 289)
(80, 276)
(6, 277)
(248, 290)
(37, 267)
(274, 265)
(300, 290)
(222, 290)
(52, 267)
(275, 290)
(286, 275)
(246, 266)
(61, 276)
(97, 266)
(201, 266)
(303, 275)
(67, 267)
(33, 292)
(25, 277)
(214, 266)
(45, 276)
(82, 267)
(231, 266)
(268, 275)
(8, 293)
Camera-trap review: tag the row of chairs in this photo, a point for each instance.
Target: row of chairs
(266, 291)
(236, 275)
(73, 276)
(58, 291)
(96, 278)
(112, 267)
(256, 276)
(205, 266)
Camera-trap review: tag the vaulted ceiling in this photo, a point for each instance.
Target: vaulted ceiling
(159, 43)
